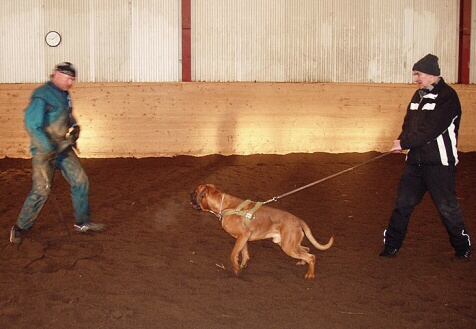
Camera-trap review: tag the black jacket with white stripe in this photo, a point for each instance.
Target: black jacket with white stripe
(431, 124)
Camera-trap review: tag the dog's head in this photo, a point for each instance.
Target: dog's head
(198, 198)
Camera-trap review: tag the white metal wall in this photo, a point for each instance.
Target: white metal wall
(21, 45)
(326, 40)
(232, 40)
(156, 40)
(107, 40)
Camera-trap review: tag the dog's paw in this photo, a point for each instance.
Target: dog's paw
(244, 265)
(237, 271)
(310, 275)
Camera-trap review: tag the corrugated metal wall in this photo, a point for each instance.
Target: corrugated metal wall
(232, 40)
(21, 45)
(326, 40)
(107, 40)
(156, 40)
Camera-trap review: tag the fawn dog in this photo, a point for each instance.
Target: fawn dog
(250, 221)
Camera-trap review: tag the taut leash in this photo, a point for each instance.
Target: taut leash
(276, 198)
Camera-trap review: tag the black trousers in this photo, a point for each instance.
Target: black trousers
(415, 181)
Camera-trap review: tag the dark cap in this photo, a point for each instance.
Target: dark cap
(428, 65)
(66, 68)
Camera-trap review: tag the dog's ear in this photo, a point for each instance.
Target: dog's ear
(202, 193)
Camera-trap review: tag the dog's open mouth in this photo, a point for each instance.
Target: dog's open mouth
(193, 201)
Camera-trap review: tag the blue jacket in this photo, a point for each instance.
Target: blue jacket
(430, 128)
(48, 118)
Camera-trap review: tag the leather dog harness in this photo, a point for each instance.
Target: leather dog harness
(248, 215)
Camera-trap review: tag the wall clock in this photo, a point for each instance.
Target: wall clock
(53, 38)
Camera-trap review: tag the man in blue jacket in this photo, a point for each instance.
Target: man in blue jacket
(429, 132)
(53, 131)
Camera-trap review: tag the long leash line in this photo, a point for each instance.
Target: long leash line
(276, 198)
(58, 208)
(60, 212)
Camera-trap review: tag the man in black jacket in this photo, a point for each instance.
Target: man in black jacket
(429, 132)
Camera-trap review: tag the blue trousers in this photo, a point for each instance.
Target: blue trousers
(415, 181)
(70, 167)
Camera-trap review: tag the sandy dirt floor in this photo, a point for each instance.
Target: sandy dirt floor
(162, 264)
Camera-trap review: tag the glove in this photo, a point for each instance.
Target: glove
(74, 134)
(70, 139)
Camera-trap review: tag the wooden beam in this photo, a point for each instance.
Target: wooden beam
(186, 42)
(464, 41)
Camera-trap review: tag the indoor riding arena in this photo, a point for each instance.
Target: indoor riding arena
(295, 104)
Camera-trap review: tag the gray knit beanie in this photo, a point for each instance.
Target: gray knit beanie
(428, 65)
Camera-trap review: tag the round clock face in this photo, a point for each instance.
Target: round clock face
(53, 38)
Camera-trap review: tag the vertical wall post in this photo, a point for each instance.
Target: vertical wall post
(186, 41)
(464, 41)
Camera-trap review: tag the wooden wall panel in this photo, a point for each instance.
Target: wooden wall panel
(168, 119)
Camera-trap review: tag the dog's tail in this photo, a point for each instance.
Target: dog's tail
(310, 237)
